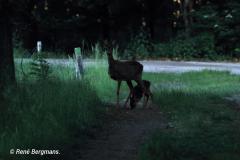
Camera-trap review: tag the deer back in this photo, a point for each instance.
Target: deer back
(128, 70)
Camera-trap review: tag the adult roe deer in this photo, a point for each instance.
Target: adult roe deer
(124, 71)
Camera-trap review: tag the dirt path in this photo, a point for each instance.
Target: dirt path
(122, 138)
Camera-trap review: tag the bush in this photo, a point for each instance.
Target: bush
(40, 68)
(201, 46)
(223, 23)
(139, 46)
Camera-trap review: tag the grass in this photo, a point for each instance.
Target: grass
(48, 114)
(52, 113)
(202, 124)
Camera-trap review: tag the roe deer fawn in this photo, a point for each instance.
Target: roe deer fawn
(137, 94)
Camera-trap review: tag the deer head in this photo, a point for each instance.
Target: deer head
(109, 48)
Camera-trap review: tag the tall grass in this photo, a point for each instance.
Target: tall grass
(48, 114)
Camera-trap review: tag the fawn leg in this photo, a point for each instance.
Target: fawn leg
(118, 90)
(151, 97)
(148, 95)
(130, 86)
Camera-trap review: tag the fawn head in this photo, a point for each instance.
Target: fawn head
(134, 100)
(138, 92)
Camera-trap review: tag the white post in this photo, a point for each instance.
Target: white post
(39, 46)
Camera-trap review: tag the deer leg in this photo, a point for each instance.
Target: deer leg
(140, 82)
(130, 86)
(118, 90)
(125, 104)
(146, 97)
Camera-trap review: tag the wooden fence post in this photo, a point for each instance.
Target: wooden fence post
(79, 63)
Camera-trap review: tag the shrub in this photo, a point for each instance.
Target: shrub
(139, 46)
(39, 67)
(201, 46)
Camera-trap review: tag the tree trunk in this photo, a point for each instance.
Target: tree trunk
(187, 8)
(150, 16)
(7, 72)
(28, 28)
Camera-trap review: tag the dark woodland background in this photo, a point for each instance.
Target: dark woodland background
(196, 28)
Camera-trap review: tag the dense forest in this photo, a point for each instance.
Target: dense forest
(166, 28)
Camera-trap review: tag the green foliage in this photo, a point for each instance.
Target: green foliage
(223, 21)
(139, 46)
(19, 52)
(39, 67)
(237, 51)
(201, 46)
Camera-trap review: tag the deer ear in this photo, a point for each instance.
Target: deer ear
(106, 45)
(105, 42)
(113, 42)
